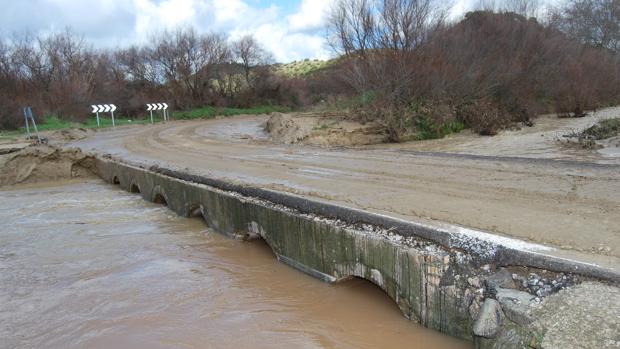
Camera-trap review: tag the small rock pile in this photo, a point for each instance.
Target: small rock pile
(543, 287)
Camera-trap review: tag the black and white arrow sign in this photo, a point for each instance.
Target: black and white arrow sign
(103, 108)
(157, 106)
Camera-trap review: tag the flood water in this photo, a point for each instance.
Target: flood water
(86, 265)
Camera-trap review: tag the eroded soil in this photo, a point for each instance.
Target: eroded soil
(322, 130)
(545, 140)
(43, 163)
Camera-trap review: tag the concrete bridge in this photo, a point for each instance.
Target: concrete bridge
(457, 281)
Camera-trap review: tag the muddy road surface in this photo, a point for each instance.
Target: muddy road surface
(87, 265)
(571, 205)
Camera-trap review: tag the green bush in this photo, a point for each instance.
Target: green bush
(211, 112)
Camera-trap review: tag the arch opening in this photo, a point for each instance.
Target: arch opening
(116, 181)
(160, 199)
(194, 211)
(260, 246)
(369, 291)
(134, 189)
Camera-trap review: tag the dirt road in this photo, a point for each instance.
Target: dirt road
(575, 206)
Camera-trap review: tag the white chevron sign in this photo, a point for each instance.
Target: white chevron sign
(103, 108)
(157, 106)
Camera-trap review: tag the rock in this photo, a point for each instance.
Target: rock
(516, 305)
(518, 278)
(502, 279)
(474, 310)
(474, 282)
(584, 316)
(490, 320)
(512, 338)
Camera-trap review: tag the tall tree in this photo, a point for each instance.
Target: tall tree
(595, 22)
(250, 54)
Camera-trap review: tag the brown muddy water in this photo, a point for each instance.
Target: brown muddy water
(86, 265)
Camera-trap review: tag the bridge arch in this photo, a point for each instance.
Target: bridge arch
(115, 180)
(194, 210)
(134, 188)
(367, 285)
(159, 196)
(376, 279)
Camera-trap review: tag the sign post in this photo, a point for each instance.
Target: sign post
(96, 111)
(158, 106)
(113, 108)
(29, 117)
(104, 108)
(149, 107)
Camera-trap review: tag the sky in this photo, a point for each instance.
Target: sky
(289, 29)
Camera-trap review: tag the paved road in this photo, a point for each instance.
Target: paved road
(575, 206)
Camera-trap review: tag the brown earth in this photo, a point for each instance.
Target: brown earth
(545, 140)
(43, 163)
(332, 130)
(574, 206)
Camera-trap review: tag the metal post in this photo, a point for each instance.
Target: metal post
(34, 125)
(29, 116)
(112, 118)
(151, 116)
(97, 119)
(26, 120)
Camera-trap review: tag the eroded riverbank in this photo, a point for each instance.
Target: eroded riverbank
(88, 265)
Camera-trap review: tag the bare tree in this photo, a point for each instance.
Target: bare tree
(60, 74)
(352, 26)
(380, 41)
(595, 22)
(249, 53)
(526, 8)
(188, 62)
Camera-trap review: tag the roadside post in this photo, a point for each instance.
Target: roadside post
(112, 109)
(149, 107)
(104, 108)
(158, 106)
(96, 111)
(29, 117)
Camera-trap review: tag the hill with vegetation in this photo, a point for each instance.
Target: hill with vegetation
(303, 68)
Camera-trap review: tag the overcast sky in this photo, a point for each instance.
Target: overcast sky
(290, 29)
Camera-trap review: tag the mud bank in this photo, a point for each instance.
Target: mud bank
(460, 284)
(322, 130)
(44, 163)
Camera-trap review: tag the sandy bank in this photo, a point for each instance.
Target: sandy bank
(322, 130)
(43, 163)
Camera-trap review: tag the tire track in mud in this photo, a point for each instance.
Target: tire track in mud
(375, 176)
(535, 200)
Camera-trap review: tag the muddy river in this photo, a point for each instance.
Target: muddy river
(86, 265)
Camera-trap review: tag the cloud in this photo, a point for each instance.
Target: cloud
(311, 16)
(109, 23)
